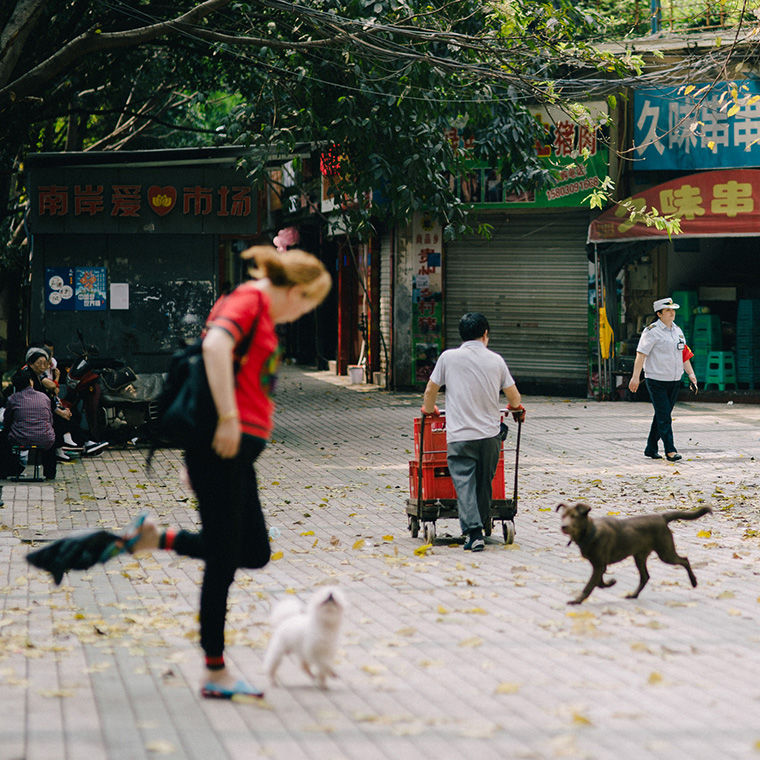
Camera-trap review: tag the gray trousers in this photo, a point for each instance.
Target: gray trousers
(472, 465)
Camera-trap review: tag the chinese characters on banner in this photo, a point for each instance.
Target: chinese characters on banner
(128, 201)
(722, 203)
(673, 130)
(427, 287)
(562, 151)
(59, 288)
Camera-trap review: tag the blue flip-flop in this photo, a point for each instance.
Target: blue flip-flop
(127, 539)
(241, 689)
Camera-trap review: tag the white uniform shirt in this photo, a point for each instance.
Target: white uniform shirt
(473, 375)
(663, 347)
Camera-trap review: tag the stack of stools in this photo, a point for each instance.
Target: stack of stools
(33, 459)
(748, 342)
(721, 369)
(706, 337)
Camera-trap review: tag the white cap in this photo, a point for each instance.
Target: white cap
(664, 303)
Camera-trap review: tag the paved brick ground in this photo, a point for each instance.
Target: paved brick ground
(443, 655)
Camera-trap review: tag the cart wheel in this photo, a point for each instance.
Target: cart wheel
(509, 531)
(414, 526)
(428, 532)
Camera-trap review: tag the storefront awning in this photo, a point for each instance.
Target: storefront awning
(724, 203)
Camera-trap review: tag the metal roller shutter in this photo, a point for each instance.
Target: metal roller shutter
(531, 281)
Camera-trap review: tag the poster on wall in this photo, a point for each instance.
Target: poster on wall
(90, 288)
(427, 310)
(59, 289)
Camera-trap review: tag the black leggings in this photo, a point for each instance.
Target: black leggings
(233, 535)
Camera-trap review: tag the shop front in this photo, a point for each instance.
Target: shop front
(131, 249)
(530, 274)
(712, 269)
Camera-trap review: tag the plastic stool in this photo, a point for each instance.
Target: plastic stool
(721, 369)
(34, 459)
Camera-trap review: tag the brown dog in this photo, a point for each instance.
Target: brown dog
(606, 540)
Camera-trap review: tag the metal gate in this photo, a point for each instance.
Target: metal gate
(531, 281)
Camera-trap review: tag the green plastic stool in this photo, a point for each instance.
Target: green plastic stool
(721, 369)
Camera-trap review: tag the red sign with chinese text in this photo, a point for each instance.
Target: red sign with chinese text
(724, 203)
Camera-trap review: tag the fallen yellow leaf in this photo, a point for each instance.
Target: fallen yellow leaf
(443, 611)
(474, 641)
(308, 533)
(387, 538)
(654, 678)
(704, 534)
(358, 544)
(276, 556)
(581, 720)
(421, 551)
(507, 688)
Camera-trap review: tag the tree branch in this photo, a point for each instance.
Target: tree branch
(91, 42)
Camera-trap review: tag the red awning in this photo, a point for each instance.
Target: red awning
(724, 203)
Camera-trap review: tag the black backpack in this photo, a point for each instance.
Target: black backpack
(185, 411)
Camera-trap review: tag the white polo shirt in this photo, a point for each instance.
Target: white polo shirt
(663, 348)
(473, 375)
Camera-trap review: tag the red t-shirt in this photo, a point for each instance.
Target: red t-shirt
(247, 308)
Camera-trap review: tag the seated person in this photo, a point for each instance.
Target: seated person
(39, 362)
(29, 420)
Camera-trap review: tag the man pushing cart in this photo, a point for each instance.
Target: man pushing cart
(473, 376)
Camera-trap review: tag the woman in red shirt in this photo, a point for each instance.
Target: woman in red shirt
(240, 336)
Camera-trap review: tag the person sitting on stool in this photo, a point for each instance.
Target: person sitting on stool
(29, 420)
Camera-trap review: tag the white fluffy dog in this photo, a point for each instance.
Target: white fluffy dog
(310, 635)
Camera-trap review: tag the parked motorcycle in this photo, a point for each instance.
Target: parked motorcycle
(117, 403)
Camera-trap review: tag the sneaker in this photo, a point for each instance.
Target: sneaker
(475, 542)
(62, 456)
(91, 448)
(69, 442)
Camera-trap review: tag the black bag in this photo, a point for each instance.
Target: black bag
(185, 410)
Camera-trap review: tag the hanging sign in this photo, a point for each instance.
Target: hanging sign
(704, 128)
(709, 204)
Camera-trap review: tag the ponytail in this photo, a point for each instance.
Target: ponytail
(289, 268)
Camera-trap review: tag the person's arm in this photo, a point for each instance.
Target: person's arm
(689, 370)
(514, 403)
(428, 399)
(218, 346)
(638, 365)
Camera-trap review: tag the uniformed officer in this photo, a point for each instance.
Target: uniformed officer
(664, 356)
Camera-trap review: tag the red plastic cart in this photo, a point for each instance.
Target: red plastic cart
(431, 490)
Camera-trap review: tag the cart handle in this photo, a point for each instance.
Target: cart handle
(419, 466)
(517, 462)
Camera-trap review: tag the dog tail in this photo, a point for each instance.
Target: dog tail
(283, 610)
(683, 514)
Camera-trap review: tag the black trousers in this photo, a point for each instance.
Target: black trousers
(233, 530)
(664, 395)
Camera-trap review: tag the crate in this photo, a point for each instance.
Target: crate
(706, 333)
(434, 445)
(437, 482)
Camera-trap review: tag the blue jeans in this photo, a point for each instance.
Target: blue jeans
(472, 465)
(664, 395)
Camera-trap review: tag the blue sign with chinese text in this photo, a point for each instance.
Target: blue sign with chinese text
(90, 288)
(703, 128)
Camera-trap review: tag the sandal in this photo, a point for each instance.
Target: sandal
(126, 541)
(241, 689)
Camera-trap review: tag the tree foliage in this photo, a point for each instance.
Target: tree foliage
(376, 81)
